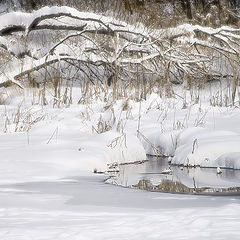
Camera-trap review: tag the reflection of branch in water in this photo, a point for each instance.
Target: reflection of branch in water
(194, 184)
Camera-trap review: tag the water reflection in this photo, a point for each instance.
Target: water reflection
(158, 169)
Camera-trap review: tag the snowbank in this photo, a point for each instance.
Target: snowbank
(76, 140)
(206, 148)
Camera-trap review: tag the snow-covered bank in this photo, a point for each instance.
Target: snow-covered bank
(200, 135)
(50, 143)
(56, 148)
(45, 143)
(208, 148)
(71, 156)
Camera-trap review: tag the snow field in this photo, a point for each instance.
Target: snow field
(86, 208)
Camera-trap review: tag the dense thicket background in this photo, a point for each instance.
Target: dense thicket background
(158, 12)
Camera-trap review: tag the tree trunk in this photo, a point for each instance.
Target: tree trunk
(186, 6)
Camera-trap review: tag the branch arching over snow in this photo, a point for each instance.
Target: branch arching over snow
(175, 47)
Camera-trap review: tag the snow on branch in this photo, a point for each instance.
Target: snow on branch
(104, 41)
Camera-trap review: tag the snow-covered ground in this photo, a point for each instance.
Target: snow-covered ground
(48, 154)
(84, 137)
(86, 208)
(48, 189)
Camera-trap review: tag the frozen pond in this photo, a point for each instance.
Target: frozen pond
(156, 170)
